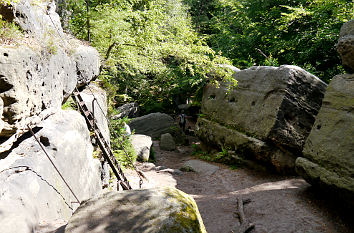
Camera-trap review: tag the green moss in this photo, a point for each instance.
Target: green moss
(188, 218)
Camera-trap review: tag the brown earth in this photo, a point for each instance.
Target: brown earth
(278, 203)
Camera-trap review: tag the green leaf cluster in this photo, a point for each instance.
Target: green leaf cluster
(272, 32)
(122, 144)
(151, 50)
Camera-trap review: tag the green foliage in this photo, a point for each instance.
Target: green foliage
(122, 144)
(152, 157)
(151, 51)
(9, 31)
(272, 32)
(69, 105)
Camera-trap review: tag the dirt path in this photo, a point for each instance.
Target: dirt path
(278, 203)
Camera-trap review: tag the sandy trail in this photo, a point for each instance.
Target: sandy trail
(278, 203)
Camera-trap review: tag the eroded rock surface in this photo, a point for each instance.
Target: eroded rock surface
(146, 210)
(272, 109)
(44, 68)
(32, 191)
(329, 150)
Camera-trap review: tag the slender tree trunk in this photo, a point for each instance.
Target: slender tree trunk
(88, 21)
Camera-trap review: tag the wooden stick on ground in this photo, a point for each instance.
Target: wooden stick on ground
(245, 225)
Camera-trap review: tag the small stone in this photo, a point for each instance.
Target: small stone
(141, 144)
(167, 142)
(200, 167)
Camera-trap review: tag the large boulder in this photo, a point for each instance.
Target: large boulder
(167, 142)
(44, 68)
(87, 63)
(127, 110)
(274, 106)
(328, 159)
(345, 46)
(32, 190)
(141, 144)
(153, 124)
(37, 18)
(145, 210)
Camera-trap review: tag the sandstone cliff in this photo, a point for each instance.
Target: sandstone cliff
(38, 72)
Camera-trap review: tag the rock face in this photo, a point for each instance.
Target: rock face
(128, 110)
(153, 124)
(95, 99)
(345, 46)
(271, 113)
(36, 76)
(141, 144)
(146, 210)
(328, 153)
(87, 64)
(41, 75)
(167, 142)
(32, 191)
(33, 17)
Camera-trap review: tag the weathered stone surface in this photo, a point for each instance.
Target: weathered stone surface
(277, 104)
(37, 18)
(153, 124)
(40, 73)
(146, 210)
(31, 83)
(167, 142)
(214, 134)
(30, 184)
(201, 167)
(267, 117)
(87, 62)
(95, 99)
(127, 110)
(141, 144)
(345, 46)
(328, 153)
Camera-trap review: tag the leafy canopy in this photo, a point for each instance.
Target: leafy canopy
(272, 32)
(151, 50)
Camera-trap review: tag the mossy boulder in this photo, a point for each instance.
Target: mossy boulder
(144, 210)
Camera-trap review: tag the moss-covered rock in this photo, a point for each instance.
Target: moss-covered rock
(145, 210)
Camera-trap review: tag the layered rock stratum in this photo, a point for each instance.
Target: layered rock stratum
(268, 116)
